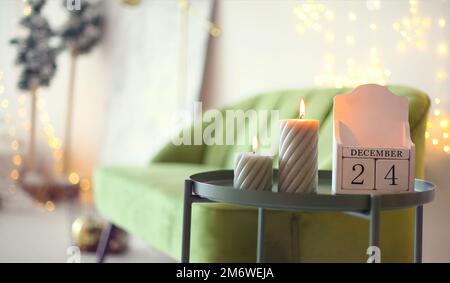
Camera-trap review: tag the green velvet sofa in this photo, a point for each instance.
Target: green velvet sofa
(148, 201)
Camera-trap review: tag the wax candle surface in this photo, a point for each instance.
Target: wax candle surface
(298, 162)
(253, 172)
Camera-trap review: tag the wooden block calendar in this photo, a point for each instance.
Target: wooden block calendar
(372, 150)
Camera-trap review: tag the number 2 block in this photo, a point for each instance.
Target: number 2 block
(392, 175)
(358, 173)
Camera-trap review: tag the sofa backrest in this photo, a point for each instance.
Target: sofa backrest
(319, 103)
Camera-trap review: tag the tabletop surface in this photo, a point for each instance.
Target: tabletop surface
(217, 186)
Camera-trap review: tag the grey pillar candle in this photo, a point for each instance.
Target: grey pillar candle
(253, 171)
(298, 162)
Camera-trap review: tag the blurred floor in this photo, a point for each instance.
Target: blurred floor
(29, 233)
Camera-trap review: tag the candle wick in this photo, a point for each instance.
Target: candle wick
(302, 117)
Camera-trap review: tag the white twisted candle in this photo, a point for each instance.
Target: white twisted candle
(298, 162)
(253, 172)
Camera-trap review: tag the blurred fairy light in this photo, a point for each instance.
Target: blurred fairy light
(27, 8)
(49, 206)
(85, 185)
(437, 133)
(355, 74)
(16, 159)
(352, 17)
(441, 75)
(350, 39)
(373, 5)
(329, 36)
(311, 15)
(74, 178)
(316, 16)
(412, 29)
(442, 49)
(53, 142)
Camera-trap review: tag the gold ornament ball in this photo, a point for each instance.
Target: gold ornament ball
(86, 232)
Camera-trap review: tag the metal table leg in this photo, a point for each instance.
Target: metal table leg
(375, 210)
(103, 245)
(261, 231)
(418, 230)
(187, 212)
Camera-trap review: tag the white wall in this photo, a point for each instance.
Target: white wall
(261, 50)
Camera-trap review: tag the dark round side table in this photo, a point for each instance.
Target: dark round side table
(217, 186)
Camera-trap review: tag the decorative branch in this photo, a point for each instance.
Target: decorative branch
(35, 52)
(83, 30)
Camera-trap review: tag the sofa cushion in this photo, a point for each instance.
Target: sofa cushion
(146, 201)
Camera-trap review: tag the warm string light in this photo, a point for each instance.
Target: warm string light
(214, 29)
(373, 72)
(311, 14)
(412, 29)
(53, 142)
(55, 145)
(316, 16)
(15, 145)
(27, 8)
(438, 126)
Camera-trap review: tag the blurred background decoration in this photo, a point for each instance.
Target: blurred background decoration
(80, 34)
(87, 231)
(412, 32)
(37, 57)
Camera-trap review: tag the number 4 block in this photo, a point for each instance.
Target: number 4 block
(392, 175)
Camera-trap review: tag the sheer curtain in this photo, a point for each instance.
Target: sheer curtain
(143, 51)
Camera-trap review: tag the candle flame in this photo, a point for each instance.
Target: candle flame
(255, 144)
(302, 109)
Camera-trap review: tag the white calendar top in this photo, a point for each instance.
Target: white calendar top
(371, 136)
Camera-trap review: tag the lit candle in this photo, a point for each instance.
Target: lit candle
(298, 162)
(253, 171)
